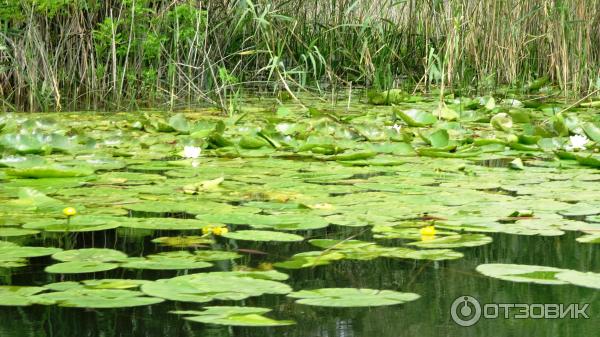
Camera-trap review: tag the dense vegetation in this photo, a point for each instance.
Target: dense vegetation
(116, 54)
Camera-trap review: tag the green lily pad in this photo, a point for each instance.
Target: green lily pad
(167, 261)
(98, 298)
(54, 171)
(256, 235)
(415, 117)
(591, 238)
(12, 255)
(521, 273)
(77, 267)
(589, 280)
(454, 241)
(19, 296)
(90, 254)
(205, 287)
(10, 231)
(351, 297)
(234, 316)
(183, 241)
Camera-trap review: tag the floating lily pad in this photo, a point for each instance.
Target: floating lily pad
(591, 238)
(454, 241)
(183, 241)
(77, 267)
(589, 280)
(12, 255)
(235, 316)
(351, 297)
(256, 235)
(206, 287)
(54, 171)
(521, 273)
(19, 296)
(167, 261)
(415, 117)
(98, 298)
(8, 231)
(90, 254)
(78, 223)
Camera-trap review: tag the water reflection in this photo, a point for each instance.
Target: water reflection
(439, 283)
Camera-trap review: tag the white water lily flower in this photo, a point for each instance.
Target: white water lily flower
(395, 127)
(191, 152)
(577, 142)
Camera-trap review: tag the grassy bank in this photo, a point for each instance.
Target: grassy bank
(124, 54)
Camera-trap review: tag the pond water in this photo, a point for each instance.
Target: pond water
(252, 210)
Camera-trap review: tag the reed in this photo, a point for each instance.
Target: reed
(173, 54)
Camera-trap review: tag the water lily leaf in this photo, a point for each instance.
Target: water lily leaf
(592, 131)
(167, 261)
(252, 142)
(438, 138)
(91, 254)
(310, 259)
(234, 316)
(50, 171)
(351, 297)
(19, 296)
(12, 255)
(256, 235)
(25, 143)
(282, 221)
(98, 298)
(9, 231)
(77, 267)
(179, 123)
(589, 280)
(183, 241)
(166, 224)
(501, 121)
(215, 255)
(22, 161)
(415, 117)
(521, 273)
(454, 241)
(205, 287)
(591, 238)
(112, 283)
(78, 223)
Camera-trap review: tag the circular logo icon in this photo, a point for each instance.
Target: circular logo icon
(465, 310)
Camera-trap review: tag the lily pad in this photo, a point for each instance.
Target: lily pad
(415, 117)
(454, 241)
(90, 254)
(256, 235)
(205, 287)
(98, 298)
(77, 267)
(522, 273)
(19, 296)
(234, 316)
(167, 261)
(589, 280)
(351, 297)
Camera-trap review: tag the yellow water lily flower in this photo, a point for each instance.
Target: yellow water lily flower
(427, 237)
(69, 211)
(427, 231)
(220, 230)
(207, 230)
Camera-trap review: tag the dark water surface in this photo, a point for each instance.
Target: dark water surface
(438, 283)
